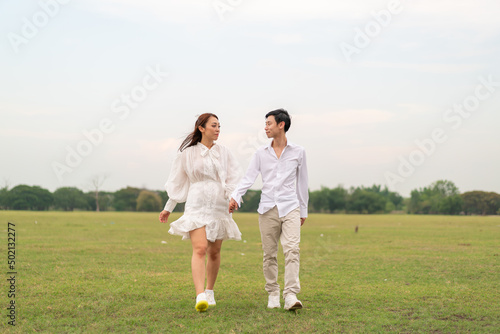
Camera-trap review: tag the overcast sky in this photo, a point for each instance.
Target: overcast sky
(397, 93)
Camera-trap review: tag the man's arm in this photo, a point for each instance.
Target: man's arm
(248, 180)
(302, 187)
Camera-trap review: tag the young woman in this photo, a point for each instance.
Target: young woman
(203, 175)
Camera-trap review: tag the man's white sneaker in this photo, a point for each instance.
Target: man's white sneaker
(274, 301)
(201, 302)
(292, 303)
(210, 297)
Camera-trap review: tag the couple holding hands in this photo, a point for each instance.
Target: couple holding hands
(206, 177)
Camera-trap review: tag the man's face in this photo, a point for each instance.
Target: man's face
(272, 128)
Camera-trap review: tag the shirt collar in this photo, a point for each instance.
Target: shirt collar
(205, 150)
(270, 144)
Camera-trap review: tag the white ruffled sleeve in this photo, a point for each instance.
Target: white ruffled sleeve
(177, 185)
(234, 174)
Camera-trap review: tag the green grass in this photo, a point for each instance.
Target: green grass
(84, 272)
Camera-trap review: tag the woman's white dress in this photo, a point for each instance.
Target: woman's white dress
(204, 179)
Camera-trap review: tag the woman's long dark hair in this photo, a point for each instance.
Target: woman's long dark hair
(195, 137)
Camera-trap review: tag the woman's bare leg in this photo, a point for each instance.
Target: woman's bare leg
(213, 262)
(199, 243)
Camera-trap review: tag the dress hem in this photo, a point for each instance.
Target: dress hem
(217, 229)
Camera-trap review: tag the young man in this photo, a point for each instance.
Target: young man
(283, 205)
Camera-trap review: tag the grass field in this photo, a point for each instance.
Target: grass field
(85, 272)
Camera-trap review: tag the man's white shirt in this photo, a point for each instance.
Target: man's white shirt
(284, 180)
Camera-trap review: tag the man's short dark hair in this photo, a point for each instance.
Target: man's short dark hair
(281, 115)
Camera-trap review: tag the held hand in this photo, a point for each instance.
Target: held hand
(232, 205)
(302, 221)
(164, 216)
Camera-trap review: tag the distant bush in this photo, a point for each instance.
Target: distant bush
(69, 198)
(481, 203)
(149, 201)
(441, 197)
(23, 197)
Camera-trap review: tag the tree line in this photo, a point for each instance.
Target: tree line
(441, 197)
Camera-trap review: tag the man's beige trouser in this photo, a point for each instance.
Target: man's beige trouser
(287, 230)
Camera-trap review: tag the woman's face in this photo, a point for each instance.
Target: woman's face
(212, 129)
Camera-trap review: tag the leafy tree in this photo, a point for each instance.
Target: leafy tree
(373, 199)
(340, 200)
(389, 206)
(126, 199)
(70, 198)
(105, 200)
(481, 203)
(365, 201)
(330, 200)
(445, 188)
(3, 197)
(424, 201)
(337, 198)
(318, 202)
(164, 196)
(149, 201)
(251, 201)
(451, 205)
(394, 200)
(441, 197)
(415, 203)
(23, 197)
